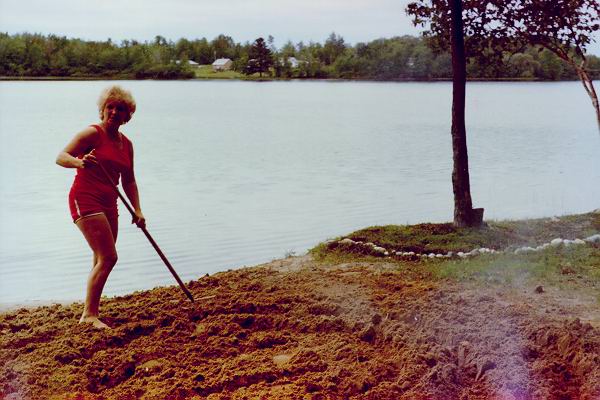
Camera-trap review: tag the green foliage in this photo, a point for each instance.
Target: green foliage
(333, 48)
(398, 58)
(260, 58)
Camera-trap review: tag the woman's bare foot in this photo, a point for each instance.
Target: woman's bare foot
(94, 321)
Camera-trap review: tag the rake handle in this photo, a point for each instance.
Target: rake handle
(148, 236)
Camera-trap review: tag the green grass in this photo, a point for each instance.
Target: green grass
(206, 72)
(555, 265)
(444, 237)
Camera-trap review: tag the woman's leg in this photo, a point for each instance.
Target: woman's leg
(97, 231)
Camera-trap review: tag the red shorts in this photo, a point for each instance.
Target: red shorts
(83, 204)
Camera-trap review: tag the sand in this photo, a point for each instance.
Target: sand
(298, 329)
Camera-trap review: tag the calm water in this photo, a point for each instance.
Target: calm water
(239, 173)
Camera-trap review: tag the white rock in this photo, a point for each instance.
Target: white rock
(593, 239)
(439, 256)
(523, 250)
(379, 249)
(578, 241)
(386, 254)
(411, 253)
(431, 255)
(546, 245)
(370, 244)
(556, 242)
(450, 254)
(347, 241)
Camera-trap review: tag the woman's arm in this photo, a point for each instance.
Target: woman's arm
(81, 143)
(131, 190)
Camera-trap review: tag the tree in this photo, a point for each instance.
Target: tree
(222, 46)
(202, 51)
(464, 214)
(564, 27)
(271, 43)
(552, 68)
(334, 46)
(523, 65)
(260, 58)
(288, 49)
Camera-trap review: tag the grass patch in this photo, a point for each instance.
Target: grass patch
(557, 266)
(499, 235)
(579, 264)
(206, 72)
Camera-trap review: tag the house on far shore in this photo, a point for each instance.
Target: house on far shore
(191, 63)
(294, 62)
(222, 64)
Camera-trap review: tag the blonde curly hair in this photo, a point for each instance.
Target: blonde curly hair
(116, 93)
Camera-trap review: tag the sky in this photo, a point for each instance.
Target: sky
(243, 20)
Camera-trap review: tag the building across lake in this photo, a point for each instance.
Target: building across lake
(222, 64)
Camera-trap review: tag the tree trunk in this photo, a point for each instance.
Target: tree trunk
(588, 85)
(464, 215)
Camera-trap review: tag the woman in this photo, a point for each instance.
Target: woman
(93, 199)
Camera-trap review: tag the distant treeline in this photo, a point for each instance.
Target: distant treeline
(398, 58)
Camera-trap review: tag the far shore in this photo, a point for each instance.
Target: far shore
(263, 79)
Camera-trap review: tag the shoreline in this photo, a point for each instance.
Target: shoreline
(13, 306)
(338, 323)
(346, 244)
(264, 79)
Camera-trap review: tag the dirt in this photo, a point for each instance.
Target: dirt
(298, 329)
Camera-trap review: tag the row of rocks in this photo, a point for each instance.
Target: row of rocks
(373, 249)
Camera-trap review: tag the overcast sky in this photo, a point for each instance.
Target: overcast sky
(243, 20)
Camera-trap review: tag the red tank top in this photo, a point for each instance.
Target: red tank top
(116, 161)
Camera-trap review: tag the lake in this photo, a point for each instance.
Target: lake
(235, 173)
